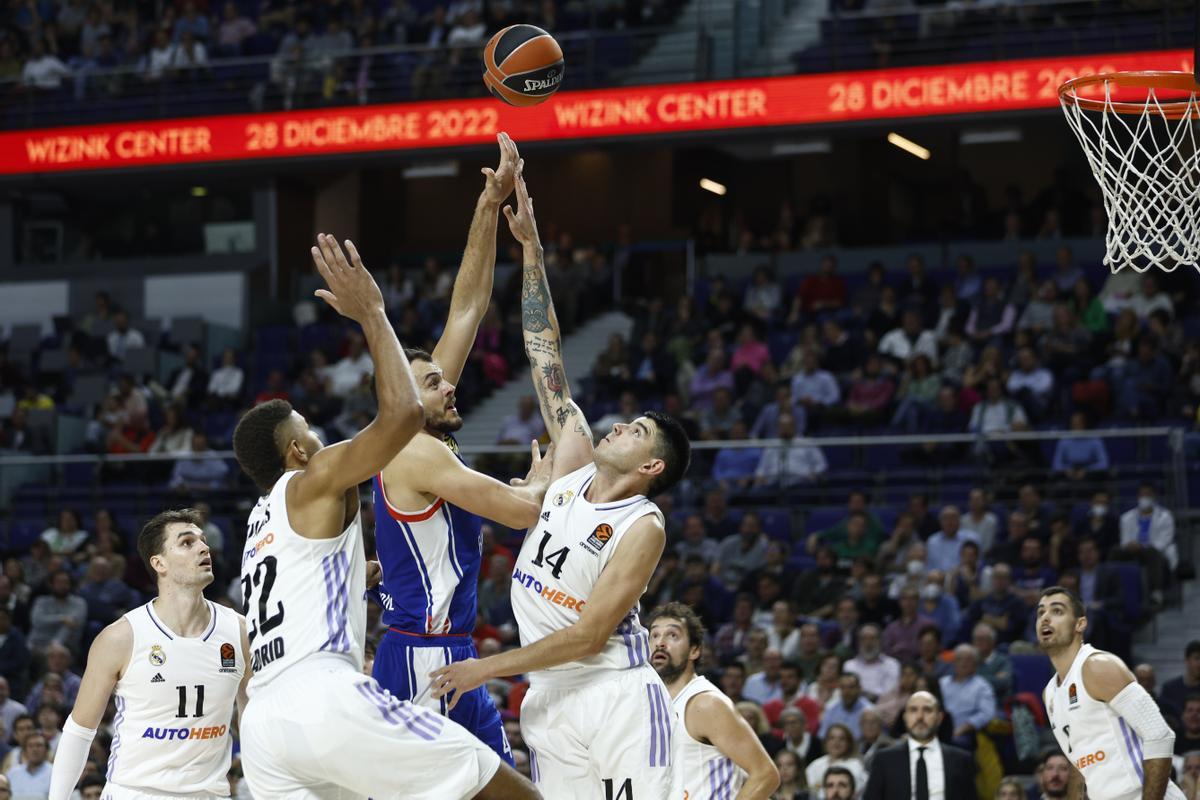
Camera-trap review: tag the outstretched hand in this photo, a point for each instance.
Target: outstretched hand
(540, 468)
(352, 291)
(521, 222)
(457, 678)
(498, 182)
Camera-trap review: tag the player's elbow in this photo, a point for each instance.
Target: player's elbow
(401, 422)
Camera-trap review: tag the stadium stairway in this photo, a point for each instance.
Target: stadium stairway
(801, 28)
(1161, 643)
(579, 353)
(673, 56)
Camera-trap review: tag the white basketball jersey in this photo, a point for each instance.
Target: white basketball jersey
(175, 706)
(706, 772)
(300, 596)
(559, 563)
(1101, 745)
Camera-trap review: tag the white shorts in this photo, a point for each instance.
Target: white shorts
(323, 731)
(610, 740)
(115, 791)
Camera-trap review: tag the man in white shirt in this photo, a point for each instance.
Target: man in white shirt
(996, 413)
(1148, 536)
(123, 338)
(792, 464)
(1150, 299)
(909, 340)
(43, 71)
(30, 780)
(225, 383)
(878, 673)
(1031, 383)
(346, 375)
(812, 386)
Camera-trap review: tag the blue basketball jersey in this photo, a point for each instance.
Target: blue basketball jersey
(430, 561)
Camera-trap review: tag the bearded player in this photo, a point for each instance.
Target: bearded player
(718, 756)
(597, 717)
(1110, 729)
(429, 506)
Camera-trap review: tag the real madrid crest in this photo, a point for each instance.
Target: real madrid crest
(157, 656)
(562, 498)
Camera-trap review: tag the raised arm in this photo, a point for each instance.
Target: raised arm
(473, 284)
(353, 293)
(565, 422)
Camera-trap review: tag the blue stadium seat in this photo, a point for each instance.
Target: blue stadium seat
(823, 517)
(1031, 673)
(777, 523)
(1131, 589)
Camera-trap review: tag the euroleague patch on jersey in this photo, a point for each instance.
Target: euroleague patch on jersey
(1072, 696)
(601, 535)
(562, 498)
(157, 656)
(228, 658)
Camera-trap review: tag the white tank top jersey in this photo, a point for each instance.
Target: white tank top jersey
(706, 772)
(559, 563)
(175, 706)
(300, 596)
(1101, 745)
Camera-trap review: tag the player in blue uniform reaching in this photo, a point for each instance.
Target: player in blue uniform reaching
(429, 505)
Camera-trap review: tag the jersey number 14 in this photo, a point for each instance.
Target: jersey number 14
(555, 558)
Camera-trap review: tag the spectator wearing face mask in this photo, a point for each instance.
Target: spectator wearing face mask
(1148, 536)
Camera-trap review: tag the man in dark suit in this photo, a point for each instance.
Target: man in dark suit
(921, 768)
(1101, 592)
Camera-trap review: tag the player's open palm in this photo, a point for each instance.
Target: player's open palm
(540, 469)
(352, 291)
(498, 182)
(521, 222)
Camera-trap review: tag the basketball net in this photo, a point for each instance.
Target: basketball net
(1143, 152)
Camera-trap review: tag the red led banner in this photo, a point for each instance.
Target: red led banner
(627, 111)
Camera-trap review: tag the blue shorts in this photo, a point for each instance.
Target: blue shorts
(402, 666)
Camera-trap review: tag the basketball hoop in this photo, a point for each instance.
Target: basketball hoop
(1139, 134)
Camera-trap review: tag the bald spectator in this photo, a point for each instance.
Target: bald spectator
(969, 699)
(878, 673)
(58, 667)
(944, 546)
(59, 616)
(900, 636)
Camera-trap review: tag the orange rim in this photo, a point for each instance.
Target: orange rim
(1068, 93)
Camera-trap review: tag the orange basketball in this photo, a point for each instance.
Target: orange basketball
(522, 65)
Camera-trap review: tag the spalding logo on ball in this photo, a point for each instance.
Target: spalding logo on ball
(522, 65)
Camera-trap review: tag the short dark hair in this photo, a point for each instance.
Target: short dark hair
(839, 771)
(934, 629)
(685, 614)
(256, 442)
(1076, 604)
(1193, 648)
(735, 665)
(1191, 698)
(672, 446)
(1049, 753)
(417, 354)
(154, 533)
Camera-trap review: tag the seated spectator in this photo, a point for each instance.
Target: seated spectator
(31, 778)
(14, 666)
(1187, 736)
(741, 552)
(1088, 308)
(995, 666)
(730, 639)
(970, 580)
(824, 687)
(917, 288)
(843, 349)
(1176, 690)
(1148, 536)
(1141, 385)
(763, 297)
(869, 397)
(847, 707)
(866, 296)
(764, 686)
(467, 30)
(951, 313)
(67, 537)
(996, 413)
(188, 383)
(968, 698)
(791, 464)
(43, 71)
(1038, 316)
(1189, 780)
(840, 751)
(696, 540)
(874, 737)
(714, 375)
(651, 367)
(884, 317)
(909, 340)
(1066, 345)
(1066, 272)
(188, 55)
(917, 393)
(1001, 608)
(123, 338)
(526, 424)
(1031, 384)
(750, 355)
(878, 673)
(225, 384)
(1082, 458)
(946, 416)
(979, 520)
(1100, 523)
(856, 501)
(992, 315)
(58, 668)
(798, 740)
(944, 546)
(754, 656)
(234, 29)
(809, 656)
(766, 424)
(892, 703)
(16, 435)
(937, 604)
(735, 467)
(900, 636)
(825, 291)
(842, 637)
(1102, 594)
(874, 606)
(816, 589)
(346, 375)
(783, 634)
(717, 420)
(929, 654)
(1150, 298)
(199, 474)
(107, 597)
(175, 436)
(967, 283)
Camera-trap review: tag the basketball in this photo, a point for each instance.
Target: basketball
(522, 65)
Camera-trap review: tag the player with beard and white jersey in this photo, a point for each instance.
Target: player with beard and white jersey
(315, 726)
(718, 755)
(1107, 725)
(176, 666)
(597, 718)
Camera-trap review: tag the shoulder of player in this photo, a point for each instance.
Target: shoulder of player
(112, 645)
(422, 453)
(1104, 676)
(705, 711)
(648, 531)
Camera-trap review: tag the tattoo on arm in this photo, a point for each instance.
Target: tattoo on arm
(535, 300)
(552, 376)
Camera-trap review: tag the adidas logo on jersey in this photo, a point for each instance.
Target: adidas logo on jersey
(158, 678)
(546, 516)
